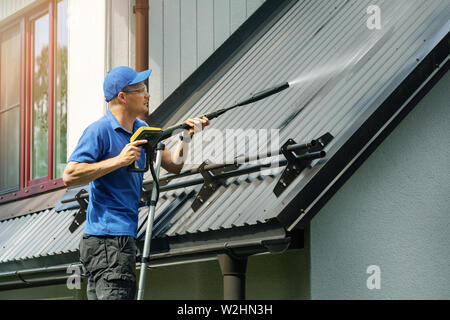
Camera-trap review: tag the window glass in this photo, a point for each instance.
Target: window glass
(61, 90)
(9, 109)
(39, 98)
(10, 68)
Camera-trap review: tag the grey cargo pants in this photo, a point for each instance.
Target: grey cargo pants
(110, 264)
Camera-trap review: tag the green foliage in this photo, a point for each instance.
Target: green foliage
(40, 115)
(40, 112)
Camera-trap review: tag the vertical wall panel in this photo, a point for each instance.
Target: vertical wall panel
(238, 13)
(205, 29)
(172, 50)
(156, 52)
(189, 43)
(222, 21)
(119, 33)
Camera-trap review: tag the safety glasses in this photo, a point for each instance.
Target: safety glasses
(140, 90)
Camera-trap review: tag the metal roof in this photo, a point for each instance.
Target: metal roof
(241, 208)
(25, 206)
(40, 234)
(348, 72)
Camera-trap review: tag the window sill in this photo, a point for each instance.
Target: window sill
(32, 190)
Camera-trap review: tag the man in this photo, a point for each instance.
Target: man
(101, 158)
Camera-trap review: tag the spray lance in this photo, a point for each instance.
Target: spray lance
(156, 135)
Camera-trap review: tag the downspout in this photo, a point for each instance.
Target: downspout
(233, 270)
(141, 10)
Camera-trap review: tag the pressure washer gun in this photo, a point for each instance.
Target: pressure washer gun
(156, 135)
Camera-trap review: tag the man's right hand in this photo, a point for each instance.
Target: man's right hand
(78, 174)
(131, 152)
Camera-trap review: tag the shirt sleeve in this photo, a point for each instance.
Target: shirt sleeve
(90, 147)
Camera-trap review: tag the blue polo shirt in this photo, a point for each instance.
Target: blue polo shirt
(114, 197)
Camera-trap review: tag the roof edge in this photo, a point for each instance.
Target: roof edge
(240, 241)
(339, 168)
(43, 262)
(268, 237)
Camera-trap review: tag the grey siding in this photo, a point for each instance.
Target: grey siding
(393, 213)
(183, 34)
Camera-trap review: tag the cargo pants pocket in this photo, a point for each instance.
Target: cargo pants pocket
(115, 286)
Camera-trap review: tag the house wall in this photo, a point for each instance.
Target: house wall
(184, 33)
(392, 213)
(51, 292)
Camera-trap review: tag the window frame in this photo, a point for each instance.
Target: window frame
(28, 187)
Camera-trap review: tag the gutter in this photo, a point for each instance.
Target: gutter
(241, 248)
(274, 241)
(35, 277)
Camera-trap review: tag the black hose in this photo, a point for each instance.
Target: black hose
(155, 181)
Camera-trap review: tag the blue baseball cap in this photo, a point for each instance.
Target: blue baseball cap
(119, 78)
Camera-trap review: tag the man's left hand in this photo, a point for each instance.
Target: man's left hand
(197, 124)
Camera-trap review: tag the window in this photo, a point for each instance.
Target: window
(33, 101)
